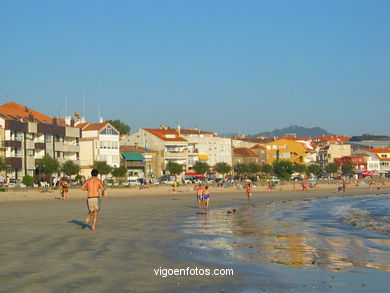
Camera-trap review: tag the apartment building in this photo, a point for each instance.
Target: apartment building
(183, 146)
(206, 146)
(99, 142)
(29, 135)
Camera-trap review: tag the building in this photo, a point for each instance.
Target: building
(99, 142)
(245, 156)
(206, 146)
(295, 150)
(166, 141)
(326, 140)
(332, 151)
(357, 161)
(378, 159)
(29, 135)
(140, 162)
(248, 142)
(261, 151)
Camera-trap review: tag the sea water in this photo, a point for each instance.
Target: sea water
(341, 244)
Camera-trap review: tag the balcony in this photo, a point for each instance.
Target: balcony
(13, 144)
(14, 162)
(40, 146)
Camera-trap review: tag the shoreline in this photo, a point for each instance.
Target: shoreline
(49, 249)
(167, 190)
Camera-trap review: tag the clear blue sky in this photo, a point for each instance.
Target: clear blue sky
(227, 66)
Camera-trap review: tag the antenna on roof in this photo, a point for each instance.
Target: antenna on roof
(84, 107)
(66, 102)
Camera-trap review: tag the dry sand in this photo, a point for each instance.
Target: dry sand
(45, 247)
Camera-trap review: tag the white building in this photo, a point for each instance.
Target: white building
(183, 146)
(99, 142)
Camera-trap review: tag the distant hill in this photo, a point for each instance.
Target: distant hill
(298, 130)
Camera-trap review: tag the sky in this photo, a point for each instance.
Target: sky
(226, 66)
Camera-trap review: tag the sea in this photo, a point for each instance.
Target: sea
(314, 245)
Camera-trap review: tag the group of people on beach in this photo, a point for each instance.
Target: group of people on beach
(202, 196)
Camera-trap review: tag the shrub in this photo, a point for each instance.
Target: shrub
(28, 180)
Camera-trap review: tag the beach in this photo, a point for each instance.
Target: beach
(46, 247)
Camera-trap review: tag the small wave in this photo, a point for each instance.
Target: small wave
(362, 219)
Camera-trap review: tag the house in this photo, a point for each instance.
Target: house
(357, 161)
(140, 162)
(29, 135)
(261, 151)
(295, 150)
(378, 159)
(241, 141)
(166, 141)
(332, 151)
(326, 140)
(99, 142)
(245, 156)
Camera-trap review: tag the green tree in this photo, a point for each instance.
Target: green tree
(70, 168)
(223, 168)
(253, 168)
(314, 169)
(331, 168)
(299, 168)
(201, 167)
(3, 164)
(120, 126)
(102, 167)
(347, 169)
(283, 169)
(267, 169)
(119, 172)
(28, 180)
(48, 165)
(241, 168)
(174, 168)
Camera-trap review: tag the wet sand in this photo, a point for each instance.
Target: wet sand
(45, 247)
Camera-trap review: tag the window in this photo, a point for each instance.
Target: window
(383, 155)
(48, 138)
(109, 130)
(30, 153)
(30, 136)
(275, 147)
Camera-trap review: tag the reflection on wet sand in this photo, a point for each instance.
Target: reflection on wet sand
(293, 234)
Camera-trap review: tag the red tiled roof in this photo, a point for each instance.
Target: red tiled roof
(194, 131)
(258, 146)
(16, 110)
(161, 134)
(378, 151)
(244, 152)
(295, 138)
(339, 138)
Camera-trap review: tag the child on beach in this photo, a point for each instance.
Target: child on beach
(206, 196)
(248, 190)
(199, 195)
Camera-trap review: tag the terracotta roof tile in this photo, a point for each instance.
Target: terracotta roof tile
(244, 152)
(162, 134)
(258, 147)
(16, 110)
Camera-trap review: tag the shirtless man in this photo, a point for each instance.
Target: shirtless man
(199, 196)
(93, 201)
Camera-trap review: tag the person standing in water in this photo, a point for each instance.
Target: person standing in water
(206, 196)
(199, 196)
(93, 186)
(248, 190)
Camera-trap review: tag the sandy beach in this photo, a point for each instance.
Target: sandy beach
(45, 247)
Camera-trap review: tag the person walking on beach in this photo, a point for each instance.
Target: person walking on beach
(206, 196)
(93, 186)
(199, 195)
(248, 190)
(64, 188)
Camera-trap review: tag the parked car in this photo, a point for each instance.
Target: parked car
(166, 179)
